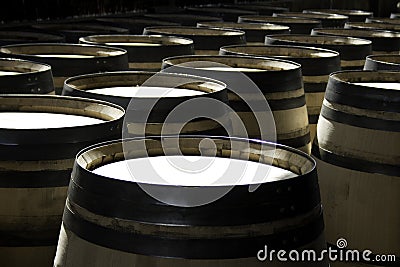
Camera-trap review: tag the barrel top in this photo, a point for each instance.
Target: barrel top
(313, 15)
(350, 12)
(249, 64)
(299, 162)
(385, 59)
(320, 39)
(146, 39)
(363, 33)
(283, 51)
(101, 110)
(193, 31)
(142, 79)
(279, 20)
(361, 79)
(21, 66)
(243, 26)
(372, 25)
(59, 50)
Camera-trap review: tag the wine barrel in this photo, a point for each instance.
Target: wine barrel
(227, 14)
(316, 65)
(68, 60)
(383, 62)
(279, 83)
(352, 51)
(8, 37)
(144, 52)
(134, 91)
(297, 25)
(73, 31)
(357, 153)
(255, 32)
(114, 222)
(40, 136)
(135, 25)
(206, 41)
(183, 19)
(327, 20)
(25, 77)
(383, 42)
(354, 15)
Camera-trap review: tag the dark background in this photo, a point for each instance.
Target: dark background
(32, 10)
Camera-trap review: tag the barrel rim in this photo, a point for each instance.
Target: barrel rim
(336, 76)
(242, 26)
(40, 67)
(351, 12)
(113, 51)
(91, 76)
(286, 20)
(117, 117)
(229, 33)
(333, 54)
(356, 41)
(167, 40)
(331, 32)
(259, 59)
(93, 148)
(322, 16)
(376, 58)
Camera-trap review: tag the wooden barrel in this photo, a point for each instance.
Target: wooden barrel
(183, 19)
(135, 25)
(382, 62)
(123, 87)
(352, 51)
(206, 41)
(280, 84)
(227, 14)
(68, 60)
(316, 65)
(8, 36)
(383, 42)
(297, 25)
(25, 77)
(113, 222)
(40, 137)
(327, 20)
(354, 15)
(255, 32)
(144, 52)
(73, 31)
(358, 152)
(260, 9)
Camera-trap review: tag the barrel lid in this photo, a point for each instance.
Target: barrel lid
(373, 26)
(314, 61)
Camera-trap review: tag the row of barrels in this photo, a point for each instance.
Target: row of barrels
(96, 229)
